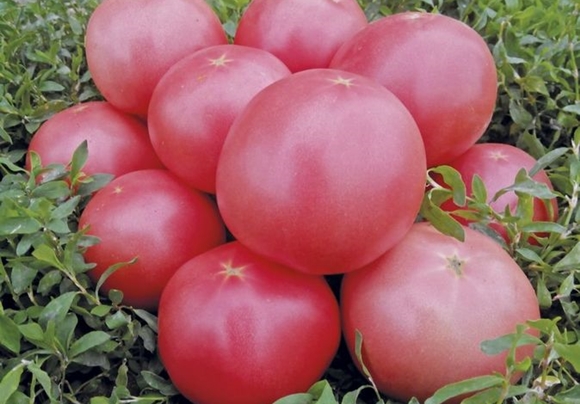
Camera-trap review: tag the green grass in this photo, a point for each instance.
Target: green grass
(60, 341)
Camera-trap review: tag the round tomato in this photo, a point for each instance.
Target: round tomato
(153, 217)
(497, 165)
(193, 106)
(439, 67)
(304, 34)
(118, 143)
(323, 171)
(236, 328)
(130, 44)
(424, 308)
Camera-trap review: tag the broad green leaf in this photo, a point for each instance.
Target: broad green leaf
(323, 393)
(442, 220)
(526, 185)
(22, 277)
(57, 309)
(570, 261)
(464, 387)
(32, 332)
(88, 341)
(571, 353)
(567, 286)
(506, 342)
(9, 334)
(158, 383)
(99, 400)
(52, 190)
(46, 254)
(530, 255)
(65, 209)
(149, 318)
(18, 225)
(10, 382)
(101, 310)
(452, 177)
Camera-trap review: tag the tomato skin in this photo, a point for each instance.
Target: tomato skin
(439, 67)
(130, 44)
(323, 171)
(497, 165)
(236, 328)
(118, 143)
(422, 324)
(153, 216)
(292, 29)
(193, 106)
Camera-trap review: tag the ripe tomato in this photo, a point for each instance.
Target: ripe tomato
(439, 67)
(152, 216)
(193, 106)
(497, 165)
(323, 171)
(236, 328)
(425, 306)
(292, 29)
(130, 44)
(117, 142)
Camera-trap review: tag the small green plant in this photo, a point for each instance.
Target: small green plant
(63, 342)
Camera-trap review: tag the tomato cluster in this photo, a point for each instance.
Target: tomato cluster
(309, 144)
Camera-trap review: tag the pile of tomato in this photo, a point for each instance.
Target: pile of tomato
(247, 172)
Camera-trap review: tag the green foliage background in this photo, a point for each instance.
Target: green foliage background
(63, 342)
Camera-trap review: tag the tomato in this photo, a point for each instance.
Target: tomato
(497, 165)
(130, 44)
(425, 306)
(323, 171)
(152, 216)
(439, 67)
(118, 143)
(239, 329)
(292, 29)
(193, 106)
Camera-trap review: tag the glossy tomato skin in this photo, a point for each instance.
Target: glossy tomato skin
(130, 44)
(152, 216)
(193, 106)
(117, 142)
(239, 329)
(304, 34)
(323, 171)
(426, 305)
(439, 67)
(497, 165)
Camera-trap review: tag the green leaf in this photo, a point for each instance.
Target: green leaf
(544, 227)
(44, 379)
(158, 383)
(548, 159)
(149, 318)
(10, 382)
(19, 225)
(57, 309)
(453, 178)
(571, 353)
(442, 220)
(464, 387)
(88, 341)
(323, 393)
(79, 159)
(351, 397)
(298, 398)
(9, 334)
(506, 342)
(46, 254)
(570, 261)
(478, 189)
(110, 271)
(32, 332)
